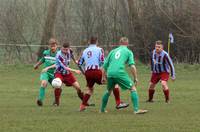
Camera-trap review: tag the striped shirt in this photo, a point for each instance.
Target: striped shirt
(93, 57)
(62, 60)
(162, 63)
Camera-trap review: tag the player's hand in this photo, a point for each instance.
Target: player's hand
(78, 71)
(136, 81)
(173, 79)
(35, 67)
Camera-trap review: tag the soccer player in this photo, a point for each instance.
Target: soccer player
(114, 68)
(65, 73)
(161, 66)
(93, 58)
(47, 75)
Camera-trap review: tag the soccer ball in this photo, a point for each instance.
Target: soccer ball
(56, 83)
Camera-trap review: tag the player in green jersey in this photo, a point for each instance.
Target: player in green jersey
(114, 71)
(47, 75)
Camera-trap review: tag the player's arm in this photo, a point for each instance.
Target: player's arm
(36, 66)
(134, 73)
(49, 67)
(131, 63)
(101, 57)
(171, 65)
(40, 62)
(65, 67)
(80, 63)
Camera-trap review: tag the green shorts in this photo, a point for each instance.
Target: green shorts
(124, 82)
(47, 76)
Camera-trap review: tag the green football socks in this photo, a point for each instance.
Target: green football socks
(135, 100)
(41, 93)
(104, 101)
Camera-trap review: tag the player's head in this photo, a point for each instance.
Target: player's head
(93, 40)
(158, 46)
(53, 44)
(123, 41)
(65, 47)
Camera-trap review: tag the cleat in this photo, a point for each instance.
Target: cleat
(105, 111)
(82, 107)
(55, 104)
(122, 105)
(167, 102)
(140, 112)
(90, 104)
(149, 101)
(39, 102)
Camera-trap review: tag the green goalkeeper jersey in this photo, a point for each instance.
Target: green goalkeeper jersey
(117, 60)
(48, 59)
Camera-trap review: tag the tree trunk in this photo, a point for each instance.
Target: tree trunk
(49, 25)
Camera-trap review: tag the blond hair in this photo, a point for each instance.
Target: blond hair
(53, 41)
(159, 42)
(123, 39)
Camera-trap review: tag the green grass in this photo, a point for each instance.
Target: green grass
(19, 86)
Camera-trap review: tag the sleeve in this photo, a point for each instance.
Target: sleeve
(42, 59)
(131, 59)
(151, 61)
(171, 65)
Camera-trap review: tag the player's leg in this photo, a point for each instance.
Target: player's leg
(86, 97)
(58, 91)
(92, 77)
(151, 88)
(164, 79)
(126, 83)
(119, 103)
(76, 86)
(151, 91)
(44, 81)
(110, 87)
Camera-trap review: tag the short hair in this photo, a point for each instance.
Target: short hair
(93, 40)
(66, 45)
(53, 41)
(159, 42)
(123, 40)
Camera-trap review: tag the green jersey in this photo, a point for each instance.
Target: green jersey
(116, 60)
(48, 59)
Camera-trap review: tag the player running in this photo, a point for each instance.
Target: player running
(114, 68)
(65, 73)
(93, 58)
(47, 74)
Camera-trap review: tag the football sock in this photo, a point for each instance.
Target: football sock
(85, 99)
(41, 93)
(135, 100)
(57, 93)
(117, 96)
(151, 93)
(80, 94)
(104, 101)
(166, 93)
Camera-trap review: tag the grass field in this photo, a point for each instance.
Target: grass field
(19, 86)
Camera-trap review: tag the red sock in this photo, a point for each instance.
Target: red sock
(80, 94)
(85, 99)
(151, 93)
(57, 93)
(117, 96)
(166, 92)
